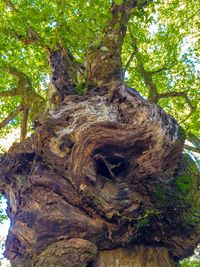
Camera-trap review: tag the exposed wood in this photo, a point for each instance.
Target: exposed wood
(103, 180)
(93, 172)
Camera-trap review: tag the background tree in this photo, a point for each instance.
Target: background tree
(104, 169)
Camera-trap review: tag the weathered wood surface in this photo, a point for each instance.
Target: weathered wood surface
(90, 179)
(139, 257)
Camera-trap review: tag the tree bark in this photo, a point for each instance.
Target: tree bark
(64, 73)
(103, 181)
(103, 61)
(139, 257)
(100, 176)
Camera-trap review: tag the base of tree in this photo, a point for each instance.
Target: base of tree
(138, 257)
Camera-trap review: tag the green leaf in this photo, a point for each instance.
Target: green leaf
(118, 2)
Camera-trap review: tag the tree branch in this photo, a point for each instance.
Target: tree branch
(64, 72)
(177, 94)
(11, 116)
(13, 92)
(32, 36)
(158, 71)
(146, 75)
(23, 128)
(188, 19)
(193, 149)
(193, 139)
(14, 72)
(103, 62)
(116, 28)
(28, 97)
(128, 62)
(172, 94)
(154, 95)
(10, 5)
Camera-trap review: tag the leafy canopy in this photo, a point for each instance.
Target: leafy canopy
(159, 56)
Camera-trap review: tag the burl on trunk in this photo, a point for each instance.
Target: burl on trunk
(99, 184)
(103, 181)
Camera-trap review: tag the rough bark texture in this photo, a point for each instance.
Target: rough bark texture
(64, 71)
(103, 181)
(99, 176)
(139, 257)
(103, 62)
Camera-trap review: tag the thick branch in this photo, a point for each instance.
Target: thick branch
(146, 75)
(24, 122)
(148, 79)
(64, 68)
(64, 72)
(172, 94)
(24, 88)
(103, 63)
(115, 30)
(11, 116)
(154, 95)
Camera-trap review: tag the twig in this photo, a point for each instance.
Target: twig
(128, 62)
(158, 71)
(9, 93)
(193, 139)
(11, 116)
(193, 149)
(178, 94)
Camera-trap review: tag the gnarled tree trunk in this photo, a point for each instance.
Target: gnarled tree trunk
(96, 184)
(103, 181)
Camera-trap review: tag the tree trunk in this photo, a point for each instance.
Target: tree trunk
(102, 182)
(96, 185)
(139, 257)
